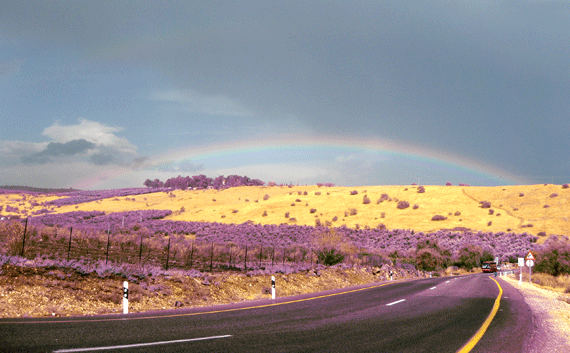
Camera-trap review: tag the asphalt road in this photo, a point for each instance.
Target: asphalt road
(428, 315)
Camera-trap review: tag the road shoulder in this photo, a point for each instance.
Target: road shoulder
(551, 332)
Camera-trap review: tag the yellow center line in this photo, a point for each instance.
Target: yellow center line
(467, 347)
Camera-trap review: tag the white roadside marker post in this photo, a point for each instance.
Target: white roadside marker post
(391, 273)
(272, 287)
(125, 297)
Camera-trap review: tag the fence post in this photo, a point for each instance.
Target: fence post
(167, 253)
(192, 254)
(230, 260)
(140, 251)
(24, 240)
(211, 256)
(272, 287)
(245, 259)
(108, 242)
(69, 247)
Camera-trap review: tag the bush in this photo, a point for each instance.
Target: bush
(313, 210)
(438, 217)
(485, 204)
(403, 205)
(428, 260)
(555, 260)
(553, 195)
(421, 189)
(354, 192)
(366, 200)
(565, 186)
(330, 257)
(266, 197)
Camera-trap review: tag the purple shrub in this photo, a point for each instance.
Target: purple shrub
(491, 211)
(565, 186)
(546, 206)
(485, 204)
(366, 200)
(354, 192)
(438, 217)
(287, 214)
(266, 197)
(313, 210)
(421, 189)
(403, 204)
(553, 195)
(12, 209)
(416, 206)
(448, 183)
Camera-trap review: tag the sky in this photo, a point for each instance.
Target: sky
(106, 94)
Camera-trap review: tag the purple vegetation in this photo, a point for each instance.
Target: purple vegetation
(485, 204)
(403, 204)
(421, 189)
(438, 217)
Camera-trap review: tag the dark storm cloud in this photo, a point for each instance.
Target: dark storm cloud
(57, 149)
(483, 79)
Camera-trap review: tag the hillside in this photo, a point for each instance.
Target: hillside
(535, 209)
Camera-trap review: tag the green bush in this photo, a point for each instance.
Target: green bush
(330, 256)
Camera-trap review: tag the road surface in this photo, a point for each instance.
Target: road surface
(427, 315)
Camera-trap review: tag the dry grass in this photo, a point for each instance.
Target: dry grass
(511, 212)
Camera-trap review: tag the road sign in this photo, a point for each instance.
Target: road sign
(529, 263)
(521, 261)
(529, 256)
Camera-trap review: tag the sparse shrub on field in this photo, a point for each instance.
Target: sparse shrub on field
(421, 189)
(297, 200)
(438, 217)
(266, 197)
(383, 215)
(485, 204)
(545, 206)
(527, 225)
(416, 206)
(448, 183)
(286, 214)
(553, 195)
(305, 193)
(365, 200)
(489, 223)
(521, 194)
(293, 204)
(317, 192)
(354, 192)
(335, 218)
(491, 211)
(403, 204)
(313, 210)
(264, 214)
(457, 213)
(565, 186)
(234, 211)
(353, 211)
(318, 223)
(292, 219)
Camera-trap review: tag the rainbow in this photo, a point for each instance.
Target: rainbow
(429, 161)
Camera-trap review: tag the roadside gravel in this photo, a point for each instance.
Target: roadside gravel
(551, 312)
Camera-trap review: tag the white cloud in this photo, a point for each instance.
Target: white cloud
(196, 102)
(92, 131)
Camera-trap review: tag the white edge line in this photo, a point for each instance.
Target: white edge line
(137, 345)
(432, 287)
(396, 302)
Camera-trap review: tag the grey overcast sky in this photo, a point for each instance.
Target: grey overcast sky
(105, 94)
